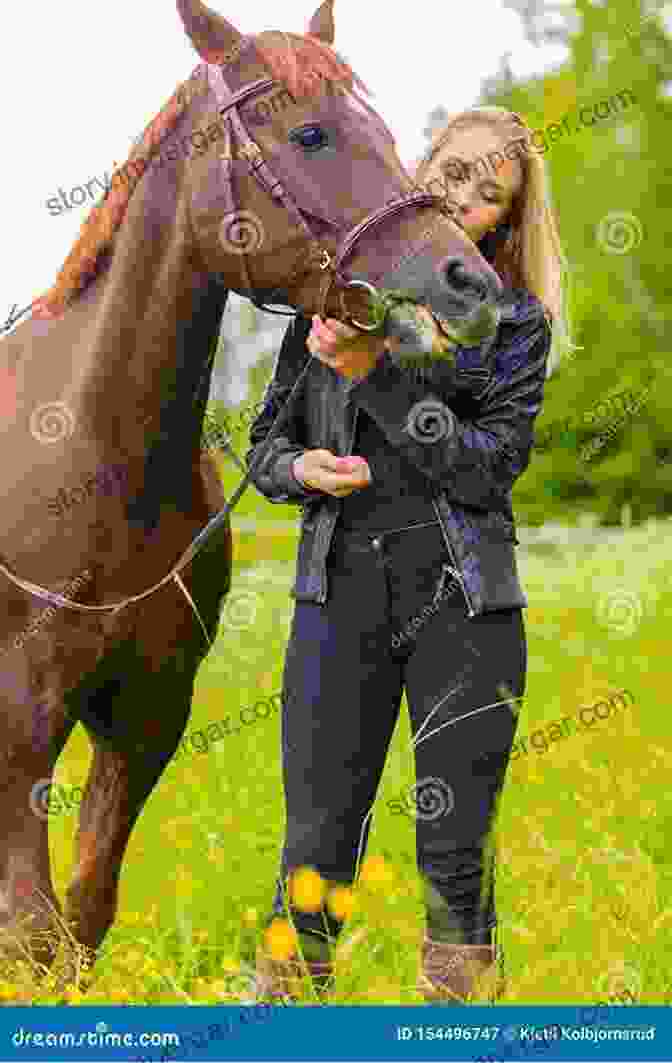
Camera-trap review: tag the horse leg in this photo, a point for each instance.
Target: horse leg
(135, 722)
(29, 908)
(124, 771)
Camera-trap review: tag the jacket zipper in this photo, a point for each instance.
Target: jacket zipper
(408, 527)
(458, 575)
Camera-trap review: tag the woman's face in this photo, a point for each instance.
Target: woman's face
(477, 180)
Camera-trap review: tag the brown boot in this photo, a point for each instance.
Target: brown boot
(455, 973)
(278, 980)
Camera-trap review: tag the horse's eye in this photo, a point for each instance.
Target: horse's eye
(310, 138)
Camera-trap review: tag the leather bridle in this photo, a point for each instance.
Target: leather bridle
(329, 264)
(331, 268)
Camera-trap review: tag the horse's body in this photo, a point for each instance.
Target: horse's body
(119, 376)
(139, 665)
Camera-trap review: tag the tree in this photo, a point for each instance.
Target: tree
(543, 22)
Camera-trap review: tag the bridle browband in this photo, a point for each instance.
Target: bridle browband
(330, 265)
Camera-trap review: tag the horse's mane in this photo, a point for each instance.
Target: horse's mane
(302, 63)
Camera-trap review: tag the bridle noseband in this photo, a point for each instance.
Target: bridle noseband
(331, 268)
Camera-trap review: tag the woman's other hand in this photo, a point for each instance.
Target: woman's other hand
(326, 472)
(351, 353)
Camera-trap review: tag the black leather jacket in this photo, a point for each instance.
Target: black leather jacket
(492, 404)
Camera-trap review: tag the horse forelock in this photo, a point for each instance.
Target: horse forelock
(303, 63)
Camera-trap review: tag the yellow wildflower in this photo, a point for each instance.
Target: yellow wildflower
(375, 873)
(307, 890)
(341, 902)
(230, 965)
(280, 939)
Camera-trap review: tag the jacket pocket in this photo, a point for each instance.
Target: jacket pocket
(501, 583)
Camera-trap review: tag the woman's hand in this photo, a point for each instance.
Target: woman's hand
(351, 353)
(333, 475)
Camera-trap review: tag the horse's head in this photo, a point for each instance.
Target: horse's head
(292, 200)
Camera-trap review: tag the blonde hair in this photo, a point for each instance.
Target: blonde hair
(532, 256)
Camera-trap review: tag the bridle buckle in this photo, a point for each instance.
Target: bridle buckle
(251, 152)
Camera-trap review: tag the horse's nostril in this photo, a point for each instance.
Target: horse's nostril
(459, 278)
(455, 274)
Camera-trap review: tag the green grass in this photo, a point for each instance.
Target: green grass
(584, 886)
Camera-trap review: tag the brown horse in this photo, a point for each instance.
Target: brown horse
(112, 372)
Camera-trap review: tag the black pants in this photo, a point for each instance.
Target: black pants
(346, 666)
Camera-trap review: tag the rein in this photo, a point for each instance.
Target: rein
(330, 266)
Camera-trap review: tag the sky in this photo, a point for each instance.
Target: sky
(79, 86)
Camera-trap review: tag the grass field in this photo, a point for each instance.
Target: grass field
(584, 886)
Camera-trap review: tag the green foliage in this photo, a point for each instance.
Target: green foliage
(612, 192)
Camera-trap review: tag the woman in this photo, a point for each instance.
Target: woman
(406, 574)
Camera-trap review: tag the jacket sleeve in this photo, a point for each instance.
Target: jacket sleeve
(274, 477)
(475, 461)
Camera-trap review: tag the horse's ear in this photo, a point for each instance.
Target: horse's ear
(211, 35)
(321, 24)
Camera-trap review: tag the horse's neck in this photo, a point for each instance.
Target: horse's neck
(127, 368)
(157, 319)
(133, 348)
